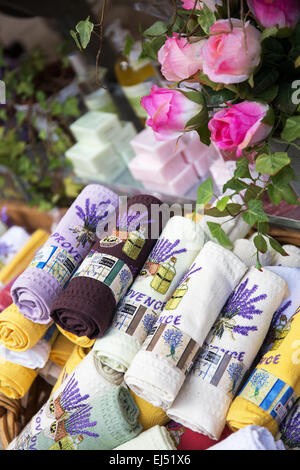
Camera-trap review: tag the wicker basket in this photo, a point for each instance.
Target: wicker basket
(14, 416)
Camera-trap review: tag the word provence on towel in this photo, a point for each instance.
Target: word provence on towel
(176, 249)
(87, 305)
(37, 287)
(273, 387)
(228, 352)
(102, 424)
(160, 367)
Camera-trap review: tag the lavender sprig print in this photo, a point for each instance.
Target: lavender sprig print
(90, 216)
(290, 428)
(148, 322)
(5, 249)
(70, 397)
(125, 278)
(235, 372)
(174, 339)
(188, 274)
(241, 303)
(130, 221)
(258, 380)
(79, 422)
(278, 323)
(164, 250)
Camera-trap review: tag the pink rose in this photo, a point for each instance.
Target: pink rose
(180, 58)
(169, 111)
(281, 13)
(226, 57)
(239, 126)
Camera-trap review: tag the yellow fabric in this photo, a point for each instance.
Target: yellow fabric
(283, 363)
(76, 357)
(22, 259)
(82, 341)
(149, 415)
(15, 380)
(17, 332)
(61, 350)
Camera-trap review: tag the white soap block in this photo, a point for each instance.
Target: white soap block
(96, 160)
(100, 100)
(145, 142)
(96, 128)
(122, 142)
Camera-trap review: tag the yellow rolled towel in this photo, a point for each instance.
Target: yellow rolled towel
(76, 357)
(149, 415)
(22, 259)
(273, 386)
(82, 341)
(17, 332)
(15, 380)
(61, 350)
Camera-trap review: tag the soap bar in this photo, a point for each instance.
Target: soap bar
(178, 186)
(101, 162)
(145, 142)
(96, 128)
(122, 142)
(100, 100)
(145, 168)
(199, 154)
(222, 171)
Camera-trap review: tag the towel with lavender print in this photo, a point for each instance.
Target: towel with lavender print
(171, 258)
(35, 290)
(11, 243)
(228, 352)
(289, 429)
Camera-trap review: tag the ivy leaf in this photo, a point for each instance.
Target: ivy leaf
(268, 32)
(206, 18)
(282, 192)
(219, 234)
(252, 192)
(85, 29)
(75, 37)
(205, 192)
(277, 247)
(222, 203)
(291, 129)
(255, 213)
(236, 184)
(260, 243)
(242, 168)
(284, 176)
(263, 227)
(157, 29)
(270, 164)
(151, 48)
(231, 210)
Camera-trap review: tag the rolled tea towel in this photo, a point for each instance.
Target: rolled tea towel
(36, 288)
(289, 429)
(160, 367)
(61, 350)
(17, 332)
(83, 385)
(103, 424)
(273, 387)
(155, 438)
(87, 305)
(228, 353)
(174, 252)
(15, 380)
(82, 341)
(11, 243)
(186, 439)
(247, 252)
(109, 374)
(149, 415)
(78, 354)
(293, 260)
(23, 257)
(249, 438)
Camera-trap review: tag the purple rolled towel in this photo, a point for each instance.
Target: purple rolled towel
(35, 290)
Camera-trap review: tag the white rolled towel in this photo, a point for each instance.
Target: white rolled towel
(292, 261)
(34, 358)
(249, 438)
(228, 352)
(174, 252)
(159, 369)
(155, 438)
(247, 252)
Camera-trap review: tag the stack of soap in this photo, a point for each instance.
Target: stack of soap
(198, 154)
(160, 165)
(102, 149)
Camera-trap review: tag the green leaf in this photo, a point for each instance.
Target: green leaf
(255, 213)
(291, 129)
(285, 98)
(253, 192)
(282, 192)
(236, 184)
(75, 37)
(21, 116)
(156, 29)
(206, 18)
(205, 192)
(260, 243)
(218, 233)
(277, 247)
(216, 98)
(151, 48)
(242, 168)
(263, 227)
(43, 134)
(268, 95)
(286, 175)
(70, 107)
(268, 32)
(222, 203)
(128, 45)
(231, 210)
(270, 164)
(85, 29)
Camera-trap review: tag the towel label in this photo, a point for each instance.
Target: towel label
(109, 270)
(219, 369)
(135, 320)
(56, 261)
(174, 345)
(269, 393)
